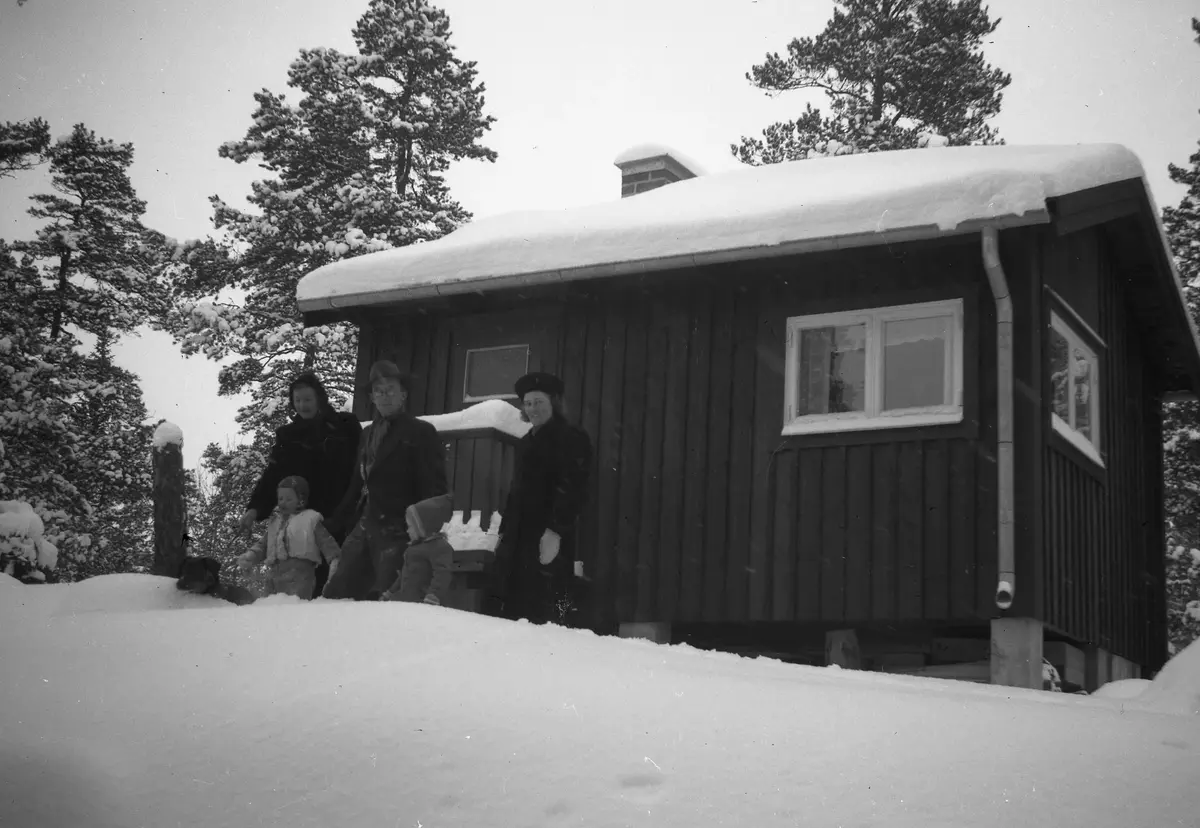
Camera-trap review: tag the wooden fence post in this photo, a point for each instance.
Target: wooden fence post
(169, 507)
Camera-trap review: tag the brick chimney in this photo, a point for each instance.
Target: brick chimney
(650, 166)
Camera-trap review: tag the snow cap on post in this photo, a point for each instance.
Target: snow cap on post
(166, 434)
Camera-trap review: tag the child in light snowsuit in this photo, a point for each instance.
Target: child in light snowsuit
(426, 573)
(295, 542)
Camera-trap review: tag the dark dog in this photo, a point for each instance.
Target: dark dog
(202, 576)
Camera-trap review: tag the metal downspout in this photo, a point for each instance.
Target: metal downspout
(1006, 578)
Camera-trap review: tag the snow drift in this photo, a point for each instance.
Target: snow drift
(127, 703)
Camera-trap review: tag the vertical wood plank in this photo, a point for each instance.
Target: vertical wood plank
(885, 500)
(422, 348)
(439, 367)
(649, 524)
(833, 534)
(741, 467)
(783, 542)
(675, 423)
(591, 321)
(696, 462)
(716, 541)
(859, 531)
(936, 580)
(632, 424)
(609, 439)
(809, 533)
(961, 560)
(769, 343)
(910, 462)
(985, 531)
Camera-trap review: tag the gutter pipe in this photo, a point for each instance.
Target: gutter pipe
(1006, 578)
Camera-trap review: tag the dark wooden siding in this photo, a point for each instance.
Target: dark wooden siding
(700, 510)
(1103, 527)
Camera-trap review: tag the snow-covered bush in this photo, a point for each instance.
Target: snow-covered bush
(24, 553)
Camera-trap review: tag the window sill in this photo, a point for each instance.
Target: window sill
(1077, 441)
(835, 424)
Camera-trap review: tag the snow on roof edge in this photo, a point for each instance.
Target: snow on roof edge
(625, 267)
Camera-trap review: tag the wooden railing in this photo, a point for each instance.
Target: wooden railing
(479, 470)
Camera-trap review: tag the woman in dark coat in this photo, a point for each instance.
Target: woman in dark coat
(535, 558)
(320, 445)
(401, 461)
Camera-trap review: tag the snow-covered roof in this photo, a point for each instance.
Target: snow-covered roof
(840, 202)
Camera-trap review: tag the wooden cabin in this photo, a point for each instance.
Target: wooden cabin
(900, 411)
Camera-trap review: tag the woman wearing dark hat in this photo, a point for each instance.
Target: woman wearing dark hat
(320, 445)
(535, 558)
(401, 461)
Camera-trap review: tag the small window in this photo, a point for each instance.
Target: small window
(491, 372)
(879, 368)
(1074, 389)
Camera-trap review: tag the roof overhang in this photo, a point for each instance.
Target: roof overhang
(330, 308)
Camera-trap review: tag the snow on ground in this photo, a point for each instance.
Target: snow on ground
(852, 198)
(167, 434)
(126, 703)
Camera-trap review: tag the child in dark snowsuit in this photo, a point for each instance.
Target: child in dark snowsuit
(426, 573)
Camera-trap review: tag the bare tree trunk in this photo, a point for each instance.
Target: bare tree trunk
(169, 515)
(64, 269)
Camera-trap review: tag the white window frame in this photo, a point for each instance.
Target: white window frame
(467, 398)
(1089, 447)
(871, 417)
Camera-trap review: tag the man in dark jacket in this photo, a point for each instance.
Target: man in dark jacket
(401, 461)
(320, 445)
(535, 558)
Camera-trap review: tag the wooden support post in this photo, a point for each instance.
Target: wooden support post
(169, 509)
(1098, 671)
(656, 631)
(1016, 658)
(841, 648)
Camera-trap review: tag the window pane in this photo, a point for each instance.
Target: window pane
(833, 363)
(492, 372)
(1084, 369)
(914, 362)
(1060, 376)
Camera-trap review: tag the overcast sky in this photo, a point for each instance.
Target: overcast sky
(571, 83)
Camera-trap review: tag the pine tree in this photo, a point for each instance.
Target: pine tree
(112, 465)
(1181, 425)
(898, 74)
(23, 145)
(93, 248)
(358, 163)
(38, 377)
(73, 423)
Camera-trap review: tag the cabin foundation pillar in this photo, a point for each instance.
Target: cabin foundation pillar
(1016, 657)
(1122, 668)
(656, 631)
(841, 648)
(1098, 671)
